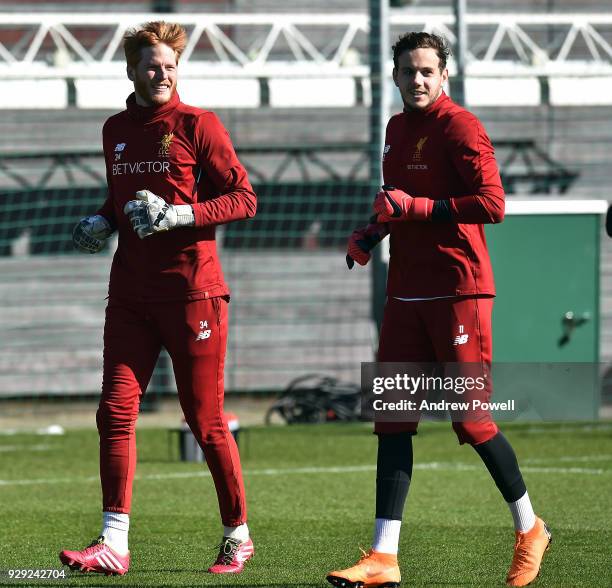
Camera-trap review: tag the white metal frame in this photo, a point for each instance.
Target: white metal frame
(510, 45)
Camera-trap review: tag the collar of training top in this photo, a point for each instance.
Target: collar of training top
(150, 113)
(435, 107)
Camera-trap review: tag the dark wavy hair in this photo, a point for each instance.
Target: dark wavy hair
(411, 41)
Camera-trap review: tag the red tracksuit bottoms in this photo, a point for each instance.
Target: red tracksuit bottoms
(427, 331)
(194, 334)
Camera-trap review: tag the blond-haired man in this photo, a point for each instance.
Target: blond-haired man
(173, 176)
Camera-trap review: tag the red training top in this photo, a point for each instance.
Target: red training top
(184, 155)
(442, 153)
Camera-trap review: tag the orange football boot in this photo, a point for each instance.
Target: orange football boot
(374, 569)
(529, 549)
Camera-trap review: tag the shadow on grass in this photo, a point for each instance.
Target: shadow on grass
(135, 577)
(262, 583)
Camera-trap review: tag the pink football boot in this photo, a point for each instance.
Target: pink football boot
(97, 557)
(233, 554)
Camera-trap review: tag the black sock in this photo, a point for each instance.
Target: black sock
(393, 473)
(500, 459)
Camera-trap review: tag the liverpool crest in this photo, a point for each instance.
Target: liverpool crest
(165, 143)
(416, 156)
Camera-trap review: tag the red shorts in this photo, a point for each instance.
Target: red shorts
(444, 330)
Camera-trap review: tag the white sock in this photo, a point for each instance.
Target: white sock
(115, 527)
(386, 536)
(241, 532)
(522, 513)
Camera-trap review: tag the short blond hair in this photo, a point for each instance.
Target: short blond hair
(150, 34)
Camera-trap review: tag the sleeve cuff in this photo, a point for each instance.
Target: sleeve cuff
(185, 216)
(422, 209)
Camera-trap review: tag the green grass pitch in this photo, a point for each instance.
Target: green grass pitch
(311, 497)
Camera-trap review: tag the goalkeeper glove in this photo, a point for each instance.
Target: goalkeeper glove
(151, 214)
(362, 241)
(90, 233)
(391, 204)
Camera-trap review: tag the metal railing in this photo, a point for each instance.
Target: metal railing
(86, 45)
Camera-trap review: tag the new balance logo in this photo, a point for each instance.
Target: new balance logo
(204, 331)
(461, 338)
(385, 151)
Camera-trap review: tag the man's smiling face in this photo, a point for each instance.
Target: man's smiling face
(419, 78)
(155, 75)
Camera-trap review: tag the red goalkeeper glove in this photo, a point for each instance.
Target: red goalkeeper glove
(362, 241)
(391, 205)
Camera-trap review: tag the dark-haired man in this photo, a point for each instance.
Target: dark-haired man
(173, 176)
(440, 290)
